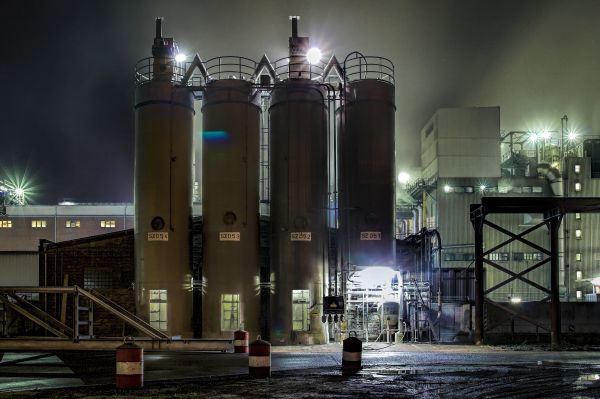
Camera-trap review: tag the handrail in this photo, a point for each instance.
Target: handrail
(358, 67)
(107, 304)
(123, 314)
(32, 317)
(40, 313)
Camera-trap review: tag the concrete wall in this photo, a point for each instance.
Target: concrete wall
(462, 142)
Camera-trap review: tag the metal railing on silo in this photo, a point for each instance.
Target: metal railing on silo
(358, 67)
(151, 69)
(230, 67)
(284, 70)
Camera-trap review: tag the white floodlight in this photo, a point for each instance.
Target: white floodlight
(180, 57)
(533, 137)
(313, 55)
(546, 135)
(447, 188)
(403, 177)
(515, 299)
(482, 188)
(572, 136)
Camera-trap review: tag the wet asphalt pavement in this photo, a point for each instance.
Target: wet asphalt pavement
(309, 372)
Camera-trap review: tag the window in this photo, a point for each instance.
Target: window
(518, 256)
(577, 186)
(5, 224)
(300, 306)
(108, 224)
(578, 234)
(577, 216)
(536, 189)
(97, 278)
(158, 309)
(499, 256)
(230, 312)
(72, 224)
(532, 256)
(38, 224)
(577, 168)
(579, 295)
(578, 275)
(578, 257)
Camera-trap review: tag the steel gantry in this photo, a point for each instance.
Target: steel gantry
(553, 210)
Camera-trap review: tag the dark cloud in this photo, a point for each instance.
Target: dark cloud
(68, 83)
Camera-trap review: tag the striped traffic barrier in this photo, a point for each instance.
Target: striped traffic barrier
(240, 341)
(259, 359)
(130, 365)
(351, 357)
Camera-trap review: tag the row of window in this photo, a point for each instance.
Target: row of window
(495, 256)
(230, 305)
(516, 256)
(485, 189)
(42, 224)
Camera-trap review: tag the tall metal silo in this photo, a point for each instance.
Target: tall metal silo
(163, 151)
(367, 163)
(298, 128)
(230, 165)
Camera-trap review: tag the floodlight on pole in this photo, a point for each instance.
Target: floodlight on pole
(180, 57)
(313, 55)
(403, 177)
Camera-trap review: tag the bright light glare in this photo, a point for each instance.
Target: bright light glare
(533, 137)
(572, 136)
(546, 135)
(596, 281)
(447, 188)
(19, 191)
(313, 55)
(374, 276)
(482, 188)
(515, 299)
(403, 177)
(180, 57)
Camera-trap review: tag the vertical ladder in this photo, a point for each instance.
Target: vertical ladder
(83, 318)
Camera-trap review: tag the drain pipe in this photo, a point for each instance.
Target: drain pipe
(555, 179)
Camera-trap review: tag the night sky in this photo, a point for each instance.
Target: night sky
(67, 70)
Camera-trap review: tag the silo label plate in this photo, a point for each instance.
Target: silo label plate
(158, 236)
(370, 235)
(301, 236)
(229, 236)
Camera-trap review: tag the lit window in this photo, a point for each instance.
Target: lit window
(578, 234)
(38, 224)
(73, 224)
(97, 278)
(230, 312)
(577, 168)
(448, 189)
(300, 306)
(577, 216)
(578, 257)
(579, 294)
(578, 275)
(5, 224)
(108, 224)
(577, 186)
(158, 309)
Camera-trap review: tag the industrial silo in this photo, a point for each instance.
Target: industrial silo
(163, 147)
(230, 164)
(298, 128)
(367, 163)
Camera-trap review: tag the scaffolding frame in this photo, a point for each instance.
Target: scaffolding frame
(553, 210)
